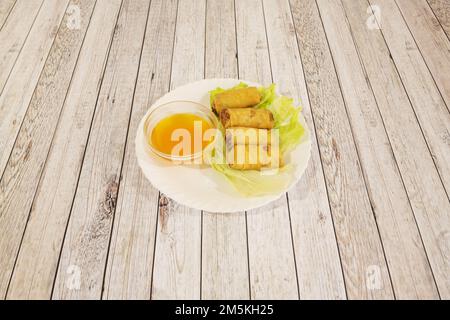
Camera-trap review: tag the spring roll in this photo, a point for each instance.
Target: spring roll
(248, 117)
(253, 157)
(236, 98)
(251, 136)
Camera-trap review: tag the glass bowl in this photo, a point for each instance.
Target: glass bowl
(175, 107)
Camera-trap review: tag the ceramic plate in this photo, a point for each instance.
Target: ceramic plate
(204, 188)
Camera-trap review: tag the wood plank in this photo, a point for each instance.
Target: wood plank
(410, 272)
(14, 33)
(317, 257)
(21, 177)
(441, 9)
(271, 255)
(24, 76)
(58, 182)
(6, 7)
(224, 256)
(221, 51)
(18, 93)
(429, 107)
(224, 236)
(177, 261)
(356, 231)
(426, 193)
(252, 42)
(130, 260)
(88, 233)
(431, 40)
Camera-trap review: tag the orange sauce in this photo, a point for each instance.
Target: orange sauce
(166, 137)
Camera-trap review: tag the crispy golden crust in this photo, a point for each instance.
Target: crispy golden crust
(236, 98)
(253, 157)
(247, 117)
(251, 136)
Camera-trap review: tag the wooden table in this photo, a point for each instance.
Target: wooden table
(370, 218)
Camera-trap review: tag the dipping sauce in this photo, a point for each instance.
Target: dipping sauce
(167, 137)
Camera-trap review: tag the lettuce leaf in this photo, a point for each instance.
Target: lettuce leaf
(248, 183)
(268, 95)
(287, 121)
(255, 183)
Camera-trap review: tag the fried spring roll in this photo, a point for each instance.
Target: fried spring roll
(253, 157)
(251, 136)
(236, 98)
(248, 117)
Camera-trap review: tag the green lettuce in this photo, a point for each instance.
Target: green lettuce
(287, 121)
(254, 183)
(268, 95)
(286, 117)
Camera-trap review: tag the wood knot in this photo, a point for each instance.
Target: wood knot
(27, 151)
(110, 200)
(164, 209)
(322, 217)
(335, 149)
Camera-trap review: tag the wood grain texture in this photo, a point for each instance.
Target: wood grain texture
(252, 42)
(224, 256)
(55, 192)
(389, 200)
(441, 9)
(224, 236)
(428, 197)
(271, 255)
(176, 270)
(14, 33)
(221, 52)
(130, 261)
(23, 79)
(18, 93)
(88, 233)
(177, 263)
(6, 7)
(431, 40)
(358, 240)
(369, 219)
(23, 171)
(429, 107)
(318, 264)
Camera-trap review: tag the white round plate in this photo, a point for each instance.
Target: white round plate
(205, 189)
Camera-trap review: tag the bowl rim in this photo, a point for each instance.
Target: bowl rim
(210, 117)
